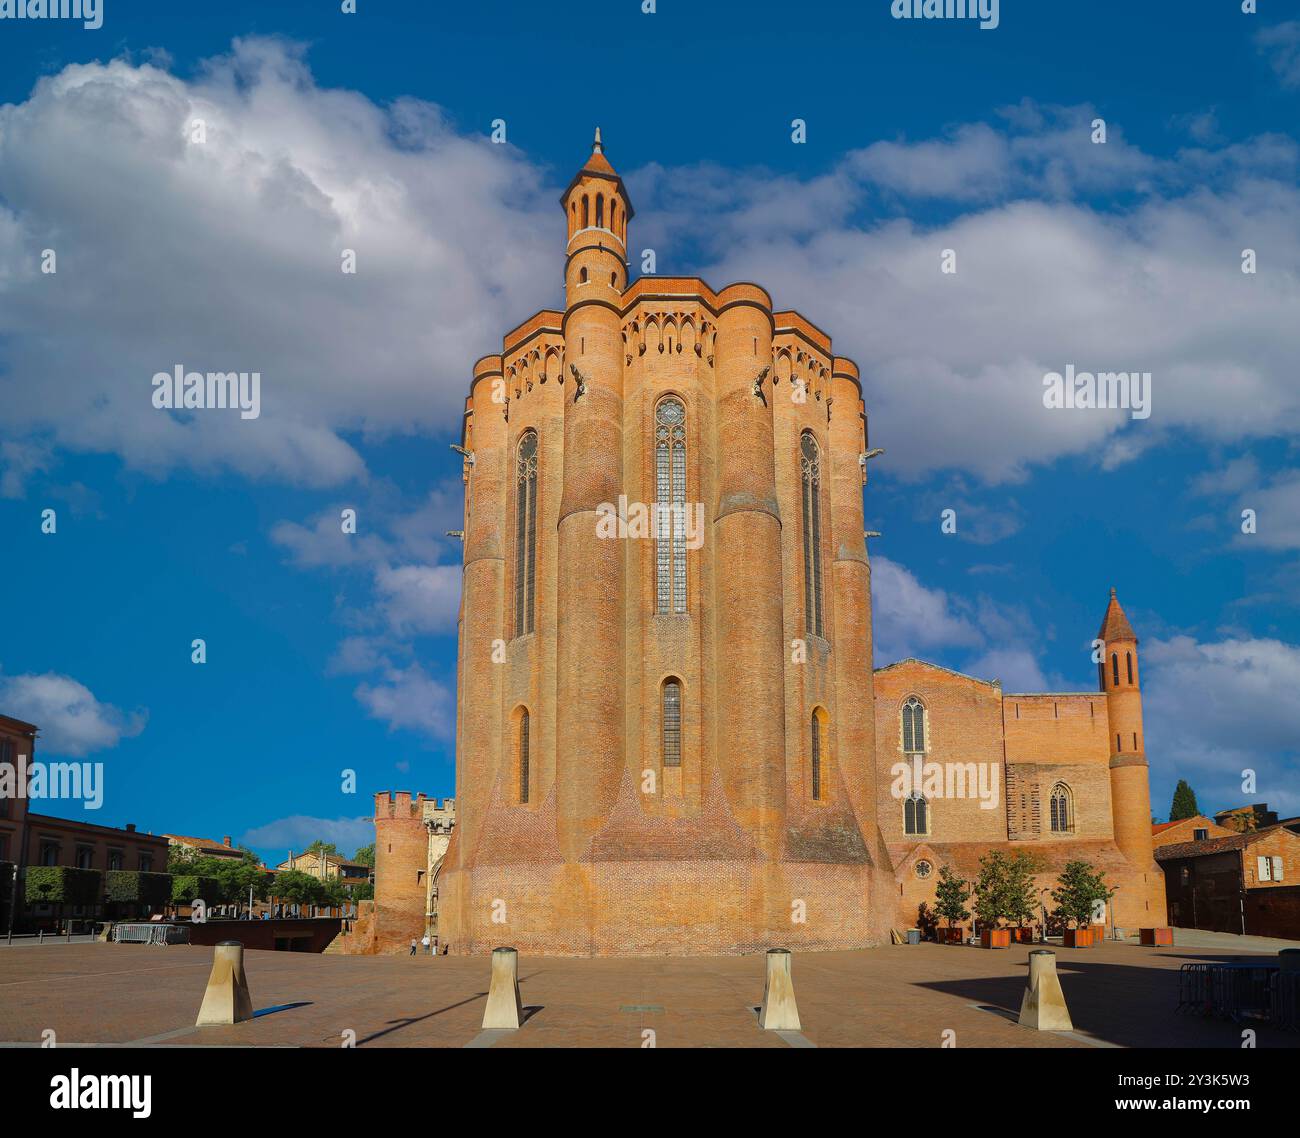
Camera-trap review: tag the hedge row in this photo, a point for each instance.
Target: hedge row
(61, 884)
(152, 889)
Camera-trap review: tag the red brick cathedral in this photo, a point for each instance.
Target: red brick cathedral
(670, 736)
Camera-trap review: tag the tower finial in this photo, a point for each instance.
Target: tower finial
(1112, 590)
(597, 147)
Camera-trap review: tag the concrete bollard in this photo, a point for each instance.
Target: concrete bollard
(504, 1011)
(227, 1000)
(1043, 1006)
(779, 1011)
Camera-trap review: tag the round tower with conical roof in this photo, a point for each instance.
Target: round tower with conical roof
(1130, 788)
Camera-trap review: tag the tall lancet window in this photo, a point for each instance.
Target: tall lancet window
(525, 532)
(523, 756)
(811, 468)
(670, 502)
(672, 716)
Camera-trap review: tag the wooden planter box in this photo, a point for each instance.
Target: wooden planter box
(1098, 934)
(1077, 938)
(1155, 937)
(1022, 935)
(996, 938)
(950, 936)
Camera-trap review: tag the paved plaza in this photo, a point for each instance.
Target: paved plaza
(897, 996)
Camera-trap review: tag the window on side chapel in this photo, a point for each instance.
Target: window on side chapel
(916, 814)
(913, 727)
(1062, 809)
(670, 503)
(525, 532)
(810, 467)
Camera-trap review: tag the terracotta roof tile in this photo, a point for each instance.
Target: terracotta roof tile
(1115, 625)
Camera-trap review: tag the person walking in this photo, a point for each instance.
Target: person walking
(412, 946)
(425, 944)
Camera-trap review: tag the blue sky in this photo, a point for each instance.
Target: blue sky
(370, 131)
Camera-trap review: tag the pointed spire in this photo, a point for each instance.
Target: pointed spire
(1115, 625)
(598, 163)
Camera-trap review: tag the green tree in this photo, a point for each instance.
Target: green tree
(321, 847)
(297, 888)
(1184, 804)
(950, 896)
(1078, 890)
(1004, 889)
(365, 855)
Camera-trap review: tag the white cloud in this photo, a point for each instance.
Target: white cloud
(409, 698)
(18, 462)
(1015, 667)
(419, 598)
(71, 720)
(298, 831)
(908, 618)
(1281, 43)
(225, 255)
(1213, 710)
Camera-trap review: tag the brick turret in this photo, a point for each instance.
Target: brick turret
(1130, 789)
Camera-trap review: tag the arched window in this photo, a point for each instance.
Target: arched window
(525, 532)
(913, 727)
(1114, 668)
(586, 212)
(523, 755)
(1062, 809)
(582, 275)
(811, 468)
(600, 211)
(670, 506)
(672, 720)
(1128, 657)
(817, 752)
(916, 814)
(613, 216)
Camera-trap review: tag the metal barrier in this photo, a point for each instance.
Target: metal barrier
(152, 933)
(1286, 1001)
(1240, 990)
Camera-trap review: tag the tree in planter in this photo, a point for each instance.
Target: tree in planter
(950, 896)
(1004, 889)
(1184, 804)
(1021, 894)
(1079, 888)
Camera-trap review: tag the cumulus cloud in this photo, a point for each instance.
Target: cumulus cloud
(406, 598)
(1275, 499)
(298, 831)
(1281, 44)
(1214, 709)
(71, 720)
(908, 618)
(410, 698)
(226, 254)
(1067, 253)
(419, 598)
